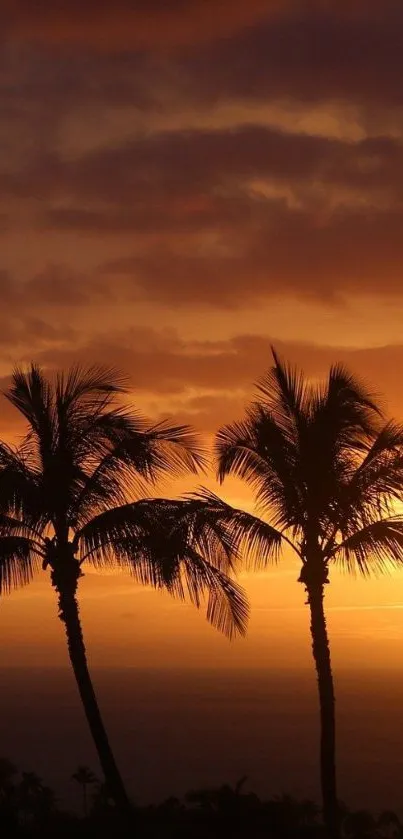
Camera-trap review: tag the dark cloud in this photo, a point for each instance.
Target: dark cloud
(319, 56)
(188, 215)
(261, 50)
(163, 23)
(39, 82)
(145, 24)
(336, 228)
(290, 251)
(22, 335)
(55, 286)
(177, 165)
(224, 217)
(60, 286)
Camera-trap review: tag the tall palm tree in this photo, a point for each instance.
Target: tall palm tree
(326, 470)
(66, 497)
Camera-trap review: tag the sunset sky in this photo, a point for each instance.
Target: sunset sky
(182, 184)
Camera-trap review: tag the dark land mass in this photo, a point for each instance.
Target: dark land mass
(178, 730)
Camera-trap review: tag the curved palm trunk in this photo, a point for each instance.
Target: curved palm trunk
(69, 615)
(321, 654)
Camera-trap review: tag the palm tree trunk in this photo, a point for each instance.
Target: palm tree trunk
(321, 654)
(69, 615)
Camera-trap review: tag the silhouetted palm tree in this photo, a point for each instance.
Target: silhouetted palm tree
(389, 825)
(326, 470)
(8, 797)
(36, 801)
(8, 771)
(30, 783)
(66, 497)
(223, 799)
(85, 777)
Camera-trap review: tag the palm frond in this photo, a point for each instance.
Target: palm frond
(31, 394)
(84, 383)
(177, 449)
(344, 415)
(139, 455)
(97, 434)
(20, 488)
(257, 451)
(285, 392)
(373, 485)
(374, 548)
(160, 542)
(12, 526)
(18, 562)
(361, 406)
(243, 533)
(128, 440)
(148, 527)
(116, 535)
(340, 420)
(380, 473)
(227, 604)
(168, 562)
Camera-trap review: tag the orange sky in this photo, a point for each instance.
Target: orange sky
(177, 191)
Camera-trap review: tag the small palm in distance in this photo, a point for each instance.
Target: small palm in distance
(66, 497)
(85, 777)
(326, 470)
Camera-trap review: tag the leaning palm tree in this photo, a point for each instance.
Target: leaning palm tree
(66, 497)
(326, 471)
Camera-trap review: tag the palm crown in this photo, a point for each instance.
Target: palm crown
(325, 469)
(69, 487)
(84, 775)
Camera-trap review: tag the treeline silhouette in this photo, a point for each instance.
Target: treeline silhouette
(30, 808)
(326, 468)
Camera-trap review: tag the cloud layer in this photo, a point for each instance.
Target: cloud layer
(180, 182)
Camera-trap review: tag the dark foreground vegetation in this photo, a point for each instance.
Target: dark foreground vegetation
(28, 807)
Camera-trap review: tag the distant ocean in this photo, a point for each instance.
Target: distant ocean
(176, 730)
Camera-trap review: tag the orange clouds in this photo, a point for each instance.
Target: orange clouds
(209, 382)
(126, 205)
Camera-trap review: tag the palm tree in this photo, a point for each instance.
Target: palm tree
(66, 497)
(85, 777)
(326, 469)
(8, 796)
(8, 771)
(36, 800)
